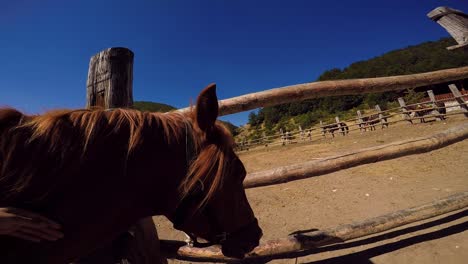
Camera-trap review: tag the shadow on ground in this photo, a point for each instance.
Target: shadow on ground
(364, 256)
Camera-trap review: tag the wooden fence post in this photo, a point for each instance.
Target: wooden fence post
(439, 117)
(110, 78)
(382, 121)
(454, 21)
(323, 129)
(301, 133)
(282, 136)
(338, 124)
(360, 121)
(459, 97)
(404, 109)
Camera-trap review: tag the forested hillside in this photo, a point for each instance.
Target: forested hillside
(428, 56)
(152, 107)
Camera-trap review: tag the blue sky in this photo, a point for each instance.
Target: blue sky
(181, 46)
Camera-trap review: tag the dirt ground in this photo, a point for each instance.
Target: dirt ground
(362, 192)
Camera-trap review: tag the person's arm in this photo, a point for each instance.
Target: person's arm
(27, 225)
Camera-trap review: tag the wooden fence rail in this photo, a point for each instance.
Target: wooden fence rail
(313, 90)
(341, 233)
(380, 117)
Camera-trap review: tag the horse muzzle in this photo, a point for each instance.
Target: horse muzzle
(243, 241)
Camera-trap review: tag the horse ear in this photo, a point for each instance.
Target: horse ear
(207, 108)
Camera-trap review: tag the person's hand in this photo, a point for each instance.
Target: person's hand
(27, 225)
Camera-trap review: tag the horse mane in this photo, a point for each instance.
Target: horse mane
(211, 163)
(50, 134)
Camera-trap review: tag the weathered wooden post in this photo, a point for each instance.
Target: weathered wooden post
(246, 143)
(439, 117)
(323, 129)
(264, 139)
(459, 97)
(110, 79)
(404, 110)
(382, 121)
(282, 136)
(360, 121)
(301, 133)
(338, 125)
(454, 21)
(288, 137)
(309, 134)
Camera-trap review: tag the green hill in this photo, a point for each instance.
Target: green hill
(425, 57)
(159, 107)
(152, 107)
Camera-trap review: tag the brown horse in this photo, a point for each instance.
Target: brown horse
(98, 172)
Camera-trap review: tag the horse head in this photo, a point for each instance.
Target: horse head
(213, 204)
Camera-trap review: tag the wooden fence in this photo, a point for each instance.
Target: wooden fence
(320, 167)
(421, 112)
(314, 239)
(110, 78)
(355, 158)
(297, 243)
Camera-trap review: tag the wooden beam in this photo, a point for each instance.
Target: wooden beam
(360, 121)
(338, 123)
(454, 21)
(459, 98)
(382, 122)
(436, 110)
(341, 233)
(356, 158)
(404, 110)
(313, 90)
(110, 79)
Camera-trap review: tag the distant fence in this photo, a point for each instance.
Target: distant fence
(422, 112)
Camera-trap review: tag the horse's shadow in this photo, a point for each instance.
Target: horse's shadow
(364, 256)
